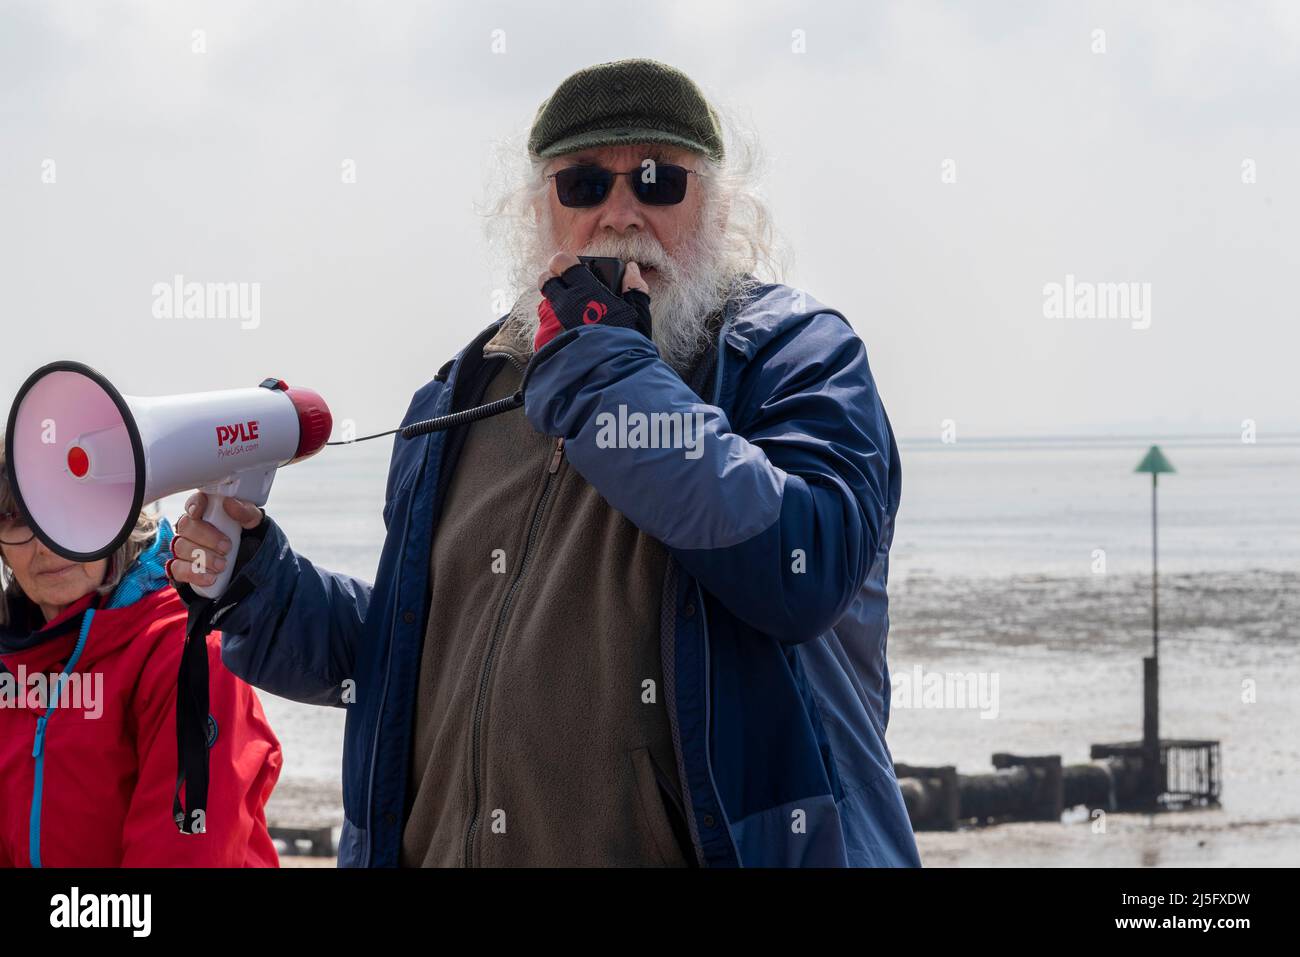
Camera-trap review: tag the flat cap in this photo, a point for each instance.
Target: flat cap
(623, 102)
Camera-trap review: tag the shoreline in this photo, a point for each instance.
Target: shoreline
(1068, 650)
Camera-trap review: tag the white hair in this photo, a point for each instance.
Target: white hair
(731, 250)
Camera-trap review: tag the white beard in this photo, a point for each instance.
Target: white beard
(686, 290)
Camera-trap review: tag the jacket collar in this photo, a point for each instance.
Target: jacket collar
(147, 573)
(753, 320)
(507, 340)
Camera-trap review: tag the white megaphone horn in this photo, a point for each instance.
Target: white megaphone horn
(83, 458)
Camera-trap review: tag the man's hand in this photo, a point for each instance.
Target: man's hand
(572, 296)
(195, 538)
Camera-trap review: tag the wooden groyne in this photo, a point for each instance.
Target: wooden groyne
(1120, 777)
(304, 816)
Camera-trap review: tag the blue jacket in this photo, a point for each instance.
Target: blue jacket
(778, 534)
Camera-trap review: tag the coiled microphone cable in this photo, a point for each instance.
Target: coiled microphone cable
(449, 421)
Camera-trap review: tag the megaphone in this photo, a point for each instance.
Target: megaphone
(83, 458)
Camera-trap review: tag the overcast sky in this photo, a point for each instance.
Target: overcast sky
(126, 158)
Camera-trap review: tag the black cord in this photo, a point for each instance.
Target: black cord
(377, 435)
(442, 422)
(464, 417)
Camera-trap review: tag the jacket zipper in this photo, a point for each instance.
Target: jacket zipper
(704, 626)
(38, 748)
(481, 700)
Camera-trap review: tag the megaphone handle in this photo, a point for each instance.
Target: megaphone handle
(217, 515)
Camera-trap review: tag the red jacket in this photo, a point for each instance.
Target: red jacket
(105, 788)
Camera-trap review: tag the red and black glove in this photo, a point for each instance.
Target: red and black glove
(576, 298)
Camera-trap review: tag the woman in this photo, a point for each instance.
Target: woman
(88, 760)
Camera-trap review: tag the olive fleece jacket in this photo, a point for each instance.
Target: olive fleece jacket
(541, 736)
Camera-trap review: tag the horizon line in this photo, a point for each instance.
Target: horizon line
(1270, 438)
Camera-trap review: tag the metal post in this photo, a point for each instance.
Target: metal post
(1154, 781)
(1151, 673)
(1155, 577)
(1154, 776)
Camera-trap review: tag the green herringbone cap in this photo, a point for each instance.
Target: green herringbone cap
(622, 102)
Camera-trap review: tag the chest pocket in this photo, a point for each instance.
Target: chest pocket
(391, 507)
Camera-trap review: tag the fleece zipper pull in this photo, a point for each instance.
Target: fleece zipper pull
(555, 458)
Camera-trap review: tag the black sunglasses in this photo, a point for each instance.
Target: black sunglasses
(585, 186)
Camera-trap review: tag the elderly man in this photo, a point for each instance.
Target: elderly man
(643, 622)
